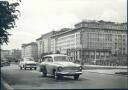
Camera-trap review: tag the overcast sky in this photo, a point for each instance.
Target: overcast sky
(42, 16)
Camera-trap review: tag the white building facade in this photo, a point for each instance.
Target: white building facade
(44, 43)
(29, 50)
(91, 40)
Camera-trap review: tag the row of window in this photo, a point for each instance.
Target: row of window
(105, 31)
(106, 26)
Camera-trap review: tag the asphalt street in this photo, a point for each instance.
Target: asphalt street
(33, 79)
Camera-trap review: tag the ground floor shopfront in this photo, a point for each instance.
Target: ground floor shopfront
(88, 54)
(94, 56)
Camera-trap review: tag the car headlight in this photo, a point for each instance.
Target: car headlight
(59, 68)
(80, 68)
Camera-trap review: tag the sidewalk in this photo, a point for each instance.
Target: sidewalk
(104, 67)
(108, 71)
(5, 86)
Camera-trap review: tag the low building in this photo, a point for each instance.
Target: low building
(16, 54)
(5, 53)
(30, 51)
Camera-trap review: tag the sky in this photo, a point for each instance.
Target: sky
(38, 17)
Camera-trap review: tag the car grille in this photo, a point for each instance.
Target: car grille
(71, 68)
(31, 64)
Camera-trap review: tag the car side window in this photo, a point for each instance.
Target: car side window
(45, 59)
(50, 59)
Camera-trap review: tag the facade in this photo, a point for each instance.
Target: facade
(91, 40)
(16, 53)
(5, 53)
(29, 50)
(44, 43)
(65, 39)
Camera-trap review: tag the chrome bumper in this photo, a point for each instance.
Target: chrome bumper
(28, 66)
(68, 73)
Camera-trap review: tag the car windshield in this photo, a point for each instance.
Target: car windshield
(28, 59)
(61, 59)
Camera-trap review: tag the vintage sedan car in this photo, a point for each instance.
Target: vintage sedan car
(5, 62)
(59, 65)
(27, 63)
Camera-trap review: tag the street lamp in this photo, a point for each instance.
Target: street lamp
(81, 36)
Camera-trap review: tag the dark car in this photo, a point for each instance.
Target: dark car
(5, 63)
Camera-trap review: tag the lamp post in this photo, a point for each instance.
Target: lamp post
(0, 54)
(81, 37)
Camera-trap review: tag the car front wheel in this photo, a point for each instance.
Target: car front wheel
(44, 72)
(76, 77)
(57, 77)
(35, 68)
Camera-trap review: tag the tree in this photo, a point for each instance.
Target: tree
(8, 16)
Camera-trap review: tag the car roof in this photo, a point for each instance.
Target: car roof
(53, 55)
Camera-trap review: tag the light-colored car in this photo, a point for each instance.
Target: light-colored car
(59, 65)
(28, 63)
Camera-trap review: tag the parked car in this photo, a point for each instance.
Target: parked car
(27, 63)
(5, 63)
(59, 65)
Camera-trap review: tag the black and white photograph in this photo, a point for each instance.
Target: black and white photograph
(63, 44)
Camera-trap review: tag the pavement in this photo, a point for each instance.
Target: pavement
(5, 85)
(96, 69)
(104, 67)
(113, 71)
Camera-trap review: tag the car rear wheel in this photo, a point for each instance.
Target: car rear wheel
(25, 68)
(20, 68)
(76, 77)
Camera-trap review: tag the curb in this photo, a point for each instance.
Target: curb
(6, 85)
(106, 73)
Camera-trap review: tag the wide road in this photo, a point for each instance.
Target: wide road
(33, 79)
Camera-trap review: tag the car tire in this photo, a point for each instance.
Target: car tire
(76, 77)
(35, 68)
(44, 72)
(25, 68)
(57, 77)
(20, 68)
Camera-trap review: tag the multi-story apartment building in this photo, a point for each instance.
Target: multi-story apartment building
(91, 40)
(44, 43)
(29, 50)
(65, 39)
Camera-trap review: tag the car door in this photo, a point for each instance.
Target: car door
(49, 65)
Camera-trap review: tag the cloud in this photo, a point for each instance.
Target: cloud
(109, 15)
(42, 16)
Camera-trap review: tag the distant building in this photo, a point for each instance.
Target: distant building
(16, 53)
(5, 53)
(44, 43)
(63, 40)
(29, 50)
(91, 40)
